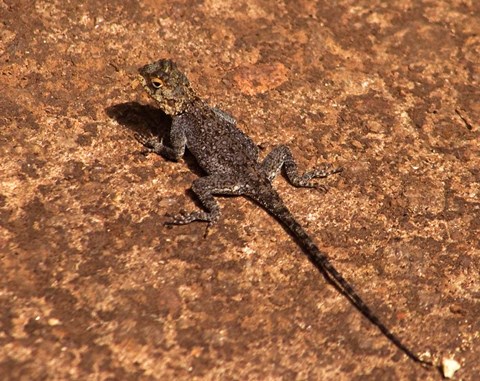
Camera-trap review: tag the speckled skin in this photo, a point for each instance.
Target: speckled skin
(230, 159)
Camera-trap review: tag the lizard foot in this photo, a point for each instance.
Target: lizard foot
(304, 180)
(186, 218)
(151, 143)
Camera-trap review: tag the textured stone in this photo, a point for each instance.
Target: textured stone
(93, 286)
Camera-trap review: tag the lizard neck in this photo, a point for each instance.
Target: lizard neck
(197, 103)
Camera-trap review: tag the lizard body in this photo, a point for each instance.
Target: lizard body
(231, 161)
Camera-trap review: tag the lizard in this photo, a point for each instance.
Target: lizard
(231, 162)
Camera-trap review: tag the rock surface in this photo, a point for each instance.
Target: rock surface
(94, 287)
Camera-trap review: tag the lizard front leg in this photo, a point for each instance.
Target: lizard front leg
(178, 141)
(281, 157)
(205, 188)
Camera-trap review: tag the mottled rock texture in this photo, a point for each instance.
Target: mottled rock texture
(94, 287)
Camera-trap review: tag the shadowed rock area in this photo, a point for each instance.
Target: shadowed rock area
(93, 286)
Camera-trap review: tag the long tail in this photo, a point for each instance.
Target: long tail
(271, 201)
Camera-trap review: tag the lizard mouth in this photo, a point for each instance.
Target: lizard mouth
(141, 79)
(136, 81)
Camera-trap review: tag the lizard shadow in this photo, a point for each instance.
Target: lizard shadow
(138, 117)
(148, 120)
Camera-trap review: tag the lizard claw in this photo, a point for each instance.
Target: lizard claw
(321, 188)
(323, 172)
(304, 181)
(151, 143)
(142, 139)
(336, 170)
(176, 219)
(207, 229)
(184, 218)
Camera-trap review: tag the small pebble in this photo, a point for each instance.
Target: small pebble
(449, 367)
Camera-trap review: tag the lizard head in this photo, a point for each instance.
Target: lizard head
(165, 83)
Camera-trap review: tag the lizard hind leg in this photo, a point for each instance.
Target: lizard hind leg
(205, 188)
(281, 157)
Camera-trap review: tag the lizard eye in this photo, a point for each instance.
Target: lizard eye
(156, 83)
